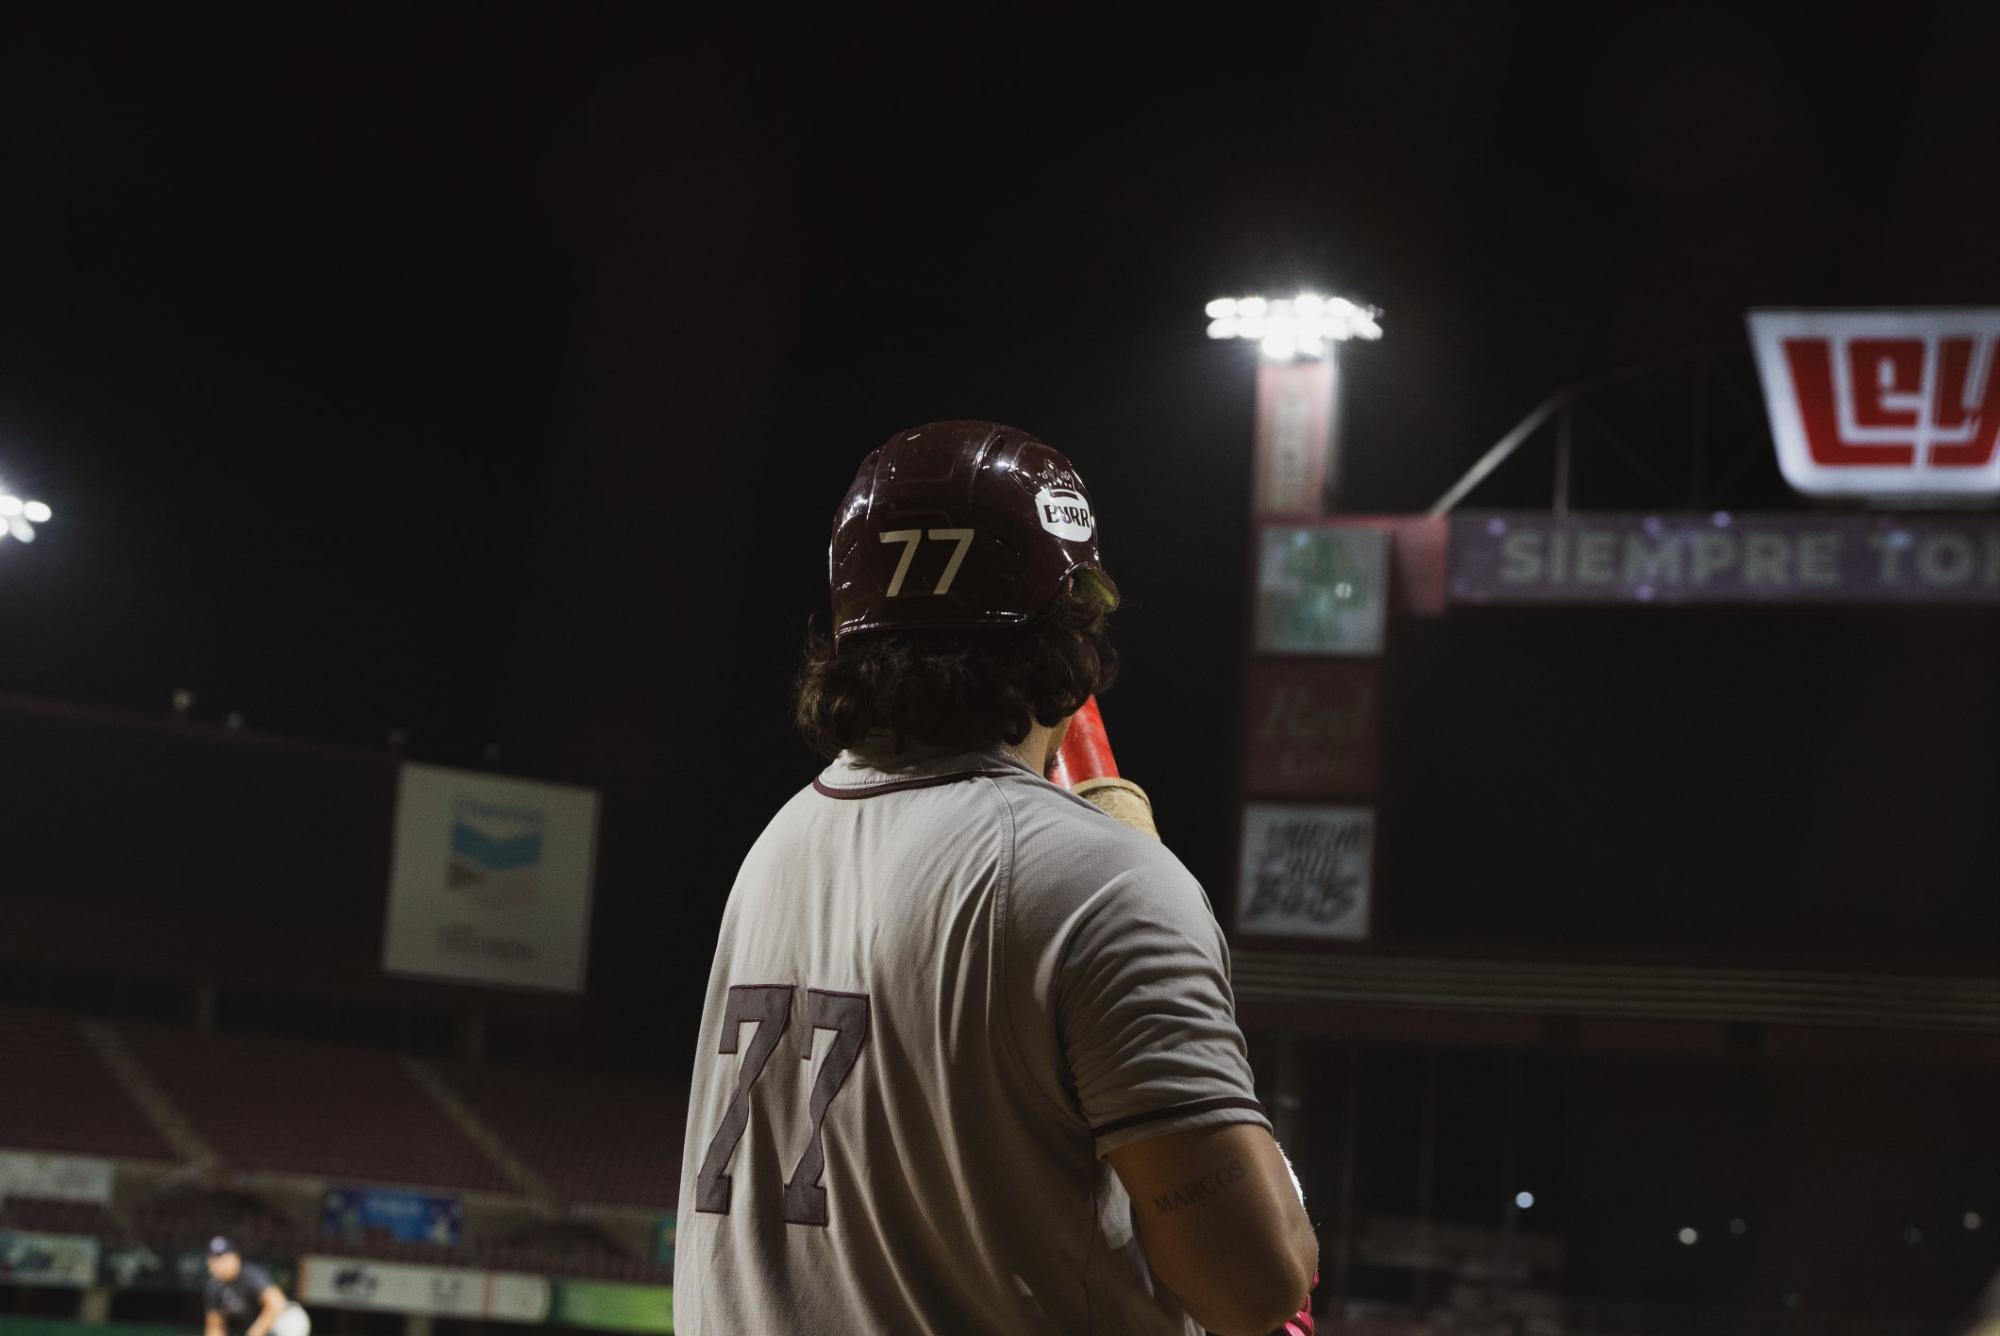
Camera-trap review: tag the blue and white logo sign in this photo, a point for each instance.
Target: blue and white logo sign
(490, 881)
(361, 1214)
(496, 851)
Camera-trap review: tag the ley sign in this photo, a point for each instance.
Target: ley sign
(1892, 405)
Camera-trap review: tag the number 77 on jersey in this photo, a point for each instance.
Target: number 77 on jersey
(769, 1008)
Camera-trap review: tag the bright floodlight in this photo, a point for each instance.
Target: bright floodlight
(1289, 327)
(1524, 1200)
(18, 518)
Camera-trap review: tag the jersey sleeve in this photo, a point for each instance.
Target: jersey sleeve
(1144, 1008)
(255, 1281)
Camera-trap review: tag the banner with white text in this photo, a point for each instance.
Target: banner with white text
(55, 1177)
(395, 1287)
(1527, 557)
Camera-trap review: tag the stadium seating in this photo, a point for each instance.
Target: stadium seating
(187, 1219)
(61, 1097)
(341, 1114)
(349, 1114)
(52, 1216)
(601, 1139)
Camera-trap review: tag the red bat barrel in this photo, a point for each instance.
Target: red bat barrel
(1085, 766)
(1086, 750)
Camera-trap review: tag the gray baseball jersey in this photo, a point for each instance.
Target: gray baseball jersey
(944, 990)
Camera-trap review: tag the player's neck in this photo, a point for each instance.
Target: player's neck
(1037, 749)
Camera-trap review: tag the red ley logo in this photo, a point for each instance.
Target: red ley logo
(1888, 404)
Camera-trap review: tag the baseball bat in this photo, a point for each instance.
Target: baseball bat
(1085, 765)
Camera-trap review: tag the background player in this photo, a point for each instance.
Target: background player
(242, 1294)
(969, 1060)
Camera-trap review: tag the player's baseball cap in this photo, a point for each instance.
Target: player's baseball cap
(220, 1246)
(961, 524)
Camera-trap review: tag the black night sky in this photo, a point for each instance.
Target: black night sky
(490, 372)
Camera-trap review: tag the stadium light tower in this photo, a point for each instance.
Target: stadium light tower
(1286, 328)
(1301, 565)
(1297, 381)
(18, 517)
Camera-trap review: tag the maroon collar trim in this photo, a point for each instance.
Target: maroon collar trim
(852, 792)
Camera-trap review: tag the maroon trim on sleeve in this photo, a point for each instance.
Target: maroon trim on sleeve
(1177, 1111)
(897, 786)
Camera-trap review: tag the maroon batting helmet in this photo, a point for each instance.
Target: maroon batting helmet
(960, 524)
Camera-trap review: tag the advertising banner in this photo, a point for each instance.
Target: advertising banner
(642, 1308)
(395, 1287)
(1321, 589)
(490, 881)
(65, 1261)
(1885, 404)
(1313, 728)
(55, 1177)
(1306, 871)
(360, 1213)
(1528, 557)
(512, 1296)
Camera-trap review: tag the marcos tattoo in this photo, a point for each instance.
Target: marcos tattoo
(1201, 1188)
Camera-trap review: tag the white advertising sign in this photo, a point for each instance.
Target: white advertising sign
(1901, 405)
(1306, 871)
(490, 881)
(55, 1177)
(512, 1296)
(394, 1287)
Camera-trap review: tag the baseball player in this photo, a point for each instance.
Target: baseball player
(969, 1060)
(242, 1294)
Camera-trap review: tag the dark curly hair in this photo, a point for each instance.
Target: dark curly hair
(972, 688)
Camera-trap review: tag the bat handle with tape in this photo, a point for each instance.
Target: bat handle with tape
(1086, 767)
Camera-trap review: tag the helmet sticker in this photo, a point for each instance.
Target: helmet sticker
(1064, 513)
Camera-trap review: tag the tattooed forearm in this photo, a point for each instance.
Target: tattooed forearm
(1206, 1186)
